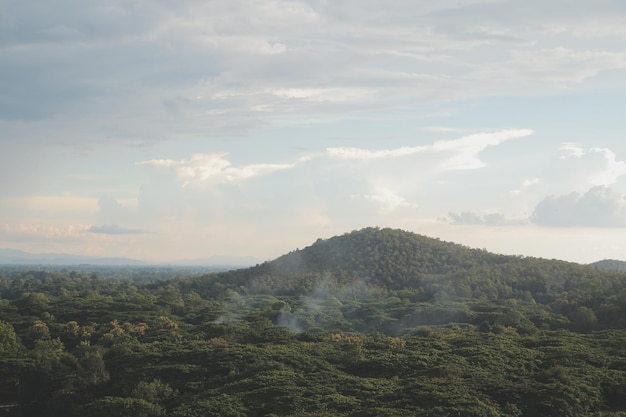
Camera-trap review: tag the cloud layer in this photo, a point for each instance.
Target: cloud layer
(598, 207)
(235, 127)
(144, 71)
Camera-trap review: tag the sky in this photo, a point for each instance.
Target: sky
(164, 130)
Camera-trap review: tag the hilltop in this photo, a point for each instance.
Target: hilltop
(382, 255)
(393, 260)
(610, 265)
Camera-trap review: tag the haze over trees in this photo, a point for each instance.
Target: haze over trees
(610, 265)
(377, 322)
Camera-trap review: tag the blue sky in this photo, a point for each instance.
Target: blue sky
(163, 130)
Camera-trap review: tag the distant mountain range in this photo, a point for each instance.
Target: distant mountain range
(18, 257)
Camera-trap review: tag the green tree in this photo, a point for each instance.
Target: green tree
(222, 405)
(154, 391)
(39, 330)
(585, 320)
(91, 366)
(122, 407)
(8, 338)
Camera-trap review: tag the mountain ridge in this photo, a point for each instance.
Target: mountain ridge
(9, 256)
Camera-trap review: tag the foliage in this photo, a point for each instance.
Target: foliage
(377, 322)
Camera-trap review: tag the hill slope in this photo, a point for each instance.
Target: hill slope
(610, 265)
(395, 260)
(371, 250)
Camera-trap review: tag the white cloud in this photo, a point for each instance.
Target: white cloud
(598, 207)
(564, 66)
(326, 95)
(594, 166)
(395, 178)
(530, 182)
(458, 154)
(244, 44)
(214, 168)
(115, 211)
(571, 150)
(388, 200)
(565, 167)
(161, 163)
(526, 184)
(366, 154)
(477, 142)
(465, 218)
(251, 171)
(488, 219)
(202, 167)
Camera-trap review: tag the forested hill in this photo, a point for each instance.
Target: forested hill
(388, 258)
(610, 265)
(378, 253)
(398, 260)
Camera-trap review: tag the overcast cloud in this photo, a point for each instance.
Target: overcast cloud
(156, 129)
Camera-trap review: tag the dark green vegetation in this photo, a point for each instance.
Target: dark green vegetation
(610, 265)
(377, 322)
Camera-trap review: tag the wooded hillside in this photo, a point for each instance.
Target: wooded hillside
(377, 322)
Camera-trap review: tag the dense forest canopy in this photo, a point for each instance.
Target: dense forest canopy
(376, 322)
(610, 265)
